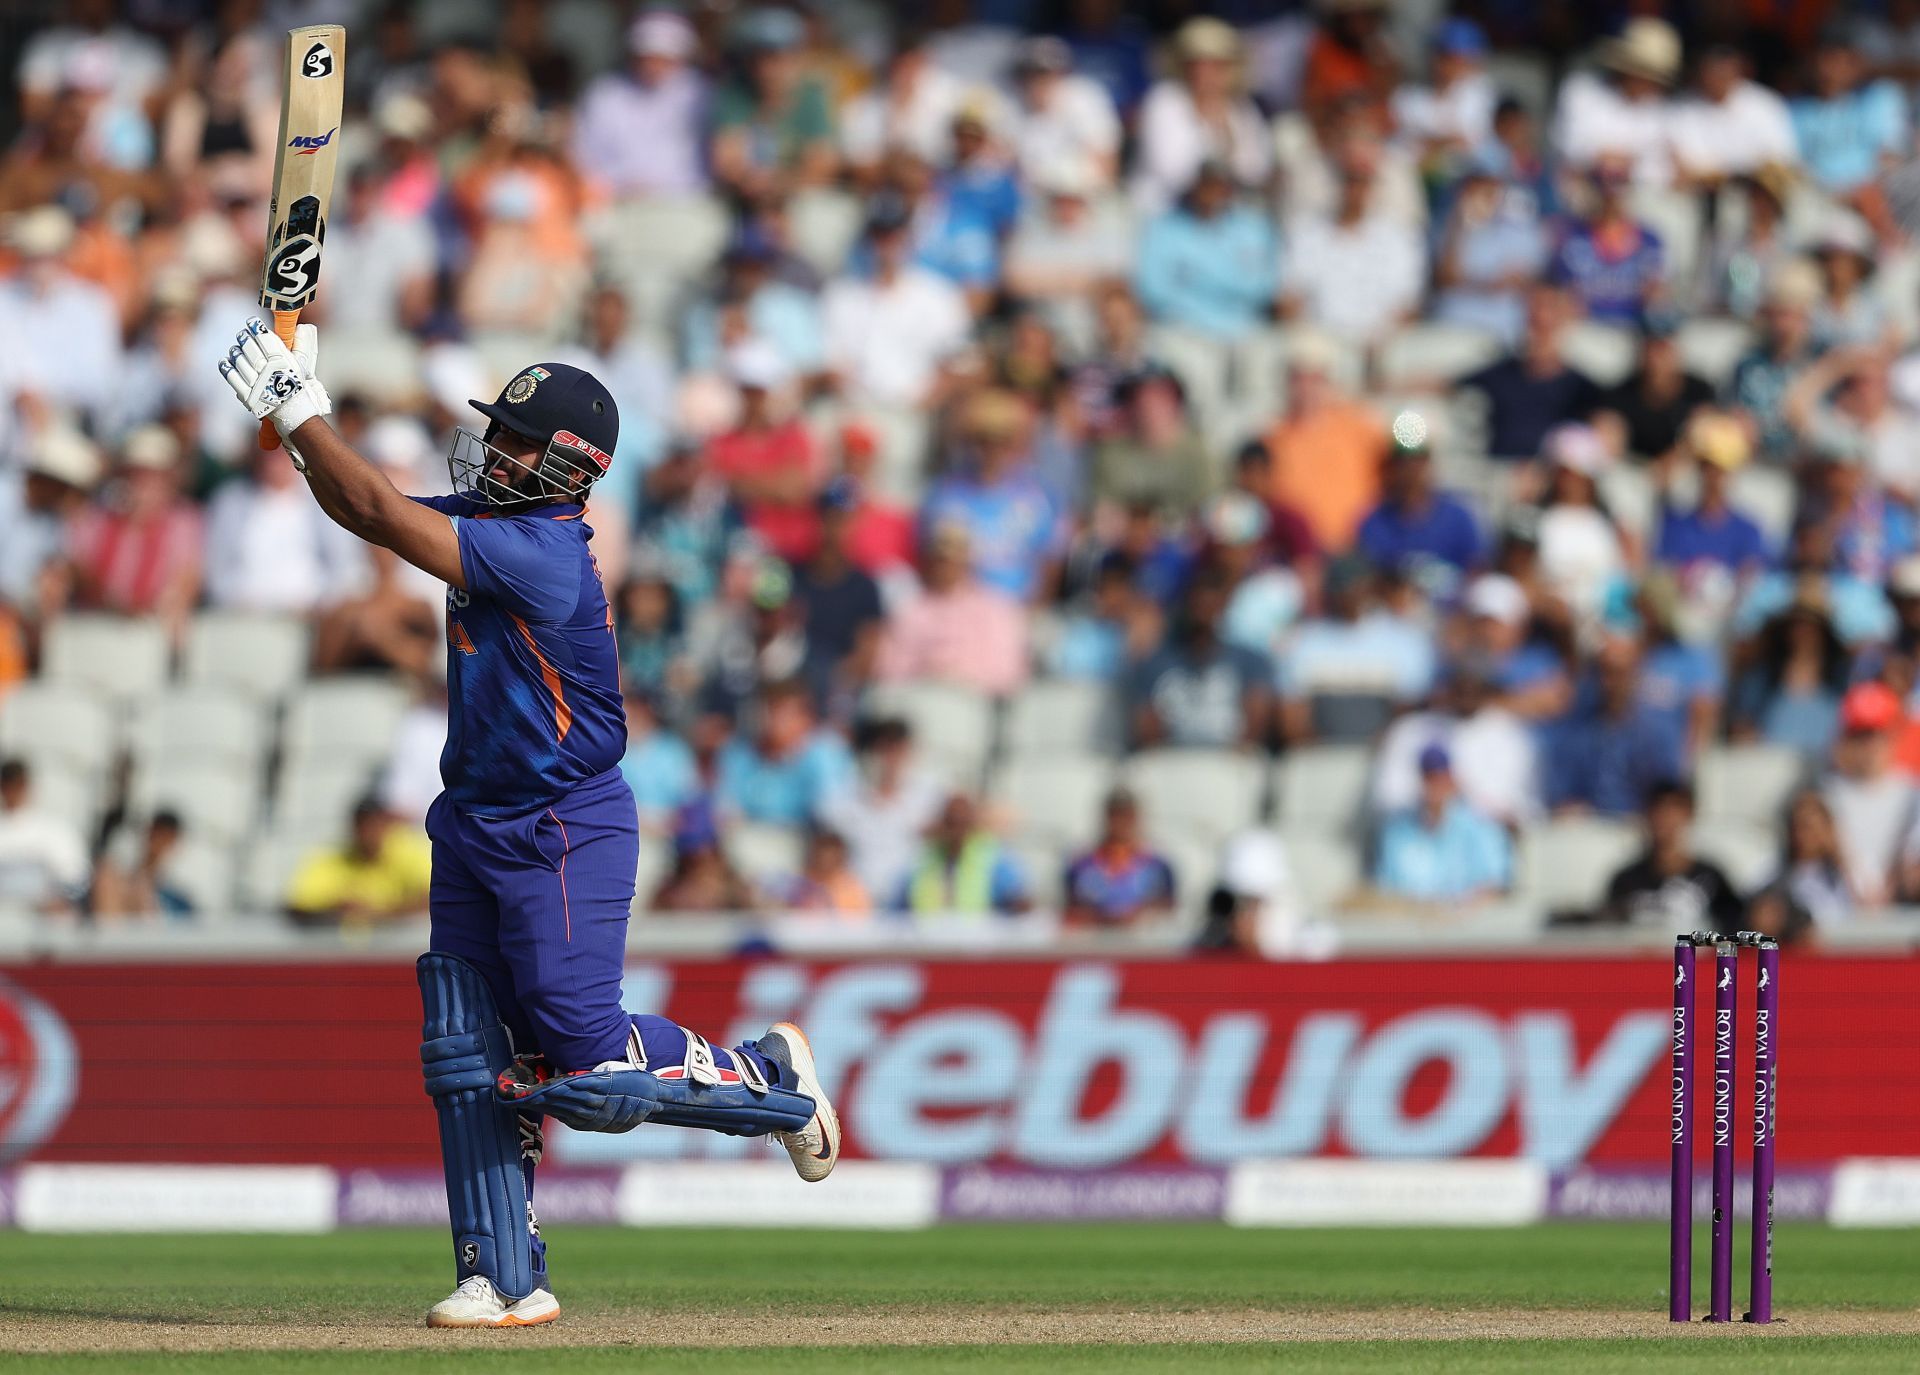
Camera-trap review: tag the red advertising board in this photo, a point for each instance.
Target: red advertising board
(1075, 1064)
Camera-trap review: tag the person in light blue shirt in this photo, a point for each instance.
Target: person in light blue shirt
(658, 765)
(777, 311)
(1209, 264)
(1849, 129)
(1014, 526)
(1442, 850)
(784, 770)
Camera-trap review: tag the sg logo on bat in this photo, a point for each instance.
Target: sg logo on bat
(318, 62)
(293, 274)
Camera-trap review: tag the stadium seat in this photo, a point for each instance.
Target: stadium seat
(1323, 788)
(1200, 364)
(953, 726)
(1326, 866)
(1630, 497)
(315, 795)
(346, 719)
(1767, 496)
(1196, 867)
(215, 802)
(70, 794)
(267, 867)
(204, 873)
(1748, 782)
(263, 655)
(380, 364)
(1526, 76)
(503, 354)
(1605, 353)
(822, 226)
(1057, 796)
(1057, 716)
(118, 656)
(1748, 851)
(1711, 346)
(1675, 216)
(656, 862)
(760, 851)
(1565, 864)
(1207, 794)
(1425, 354)
(1044, 865)
(65, 726)
(683, 237)
(187, 724)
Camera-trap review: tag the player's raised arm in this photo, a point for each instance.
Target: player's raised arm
(278, 384)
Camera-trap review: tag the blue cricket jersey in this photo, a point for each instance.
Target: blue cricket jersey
(533, 673)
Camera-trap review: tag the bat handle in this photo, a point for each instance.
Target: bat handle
(283, 323)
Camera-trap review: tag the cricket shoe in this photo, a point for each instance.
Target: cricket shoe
(815, 1147)
(476, 1303)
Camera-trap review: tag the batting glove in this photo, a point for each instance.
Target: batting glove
(275, 382)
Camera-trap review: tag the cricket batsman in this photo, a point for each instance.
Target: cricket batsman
(535, 837)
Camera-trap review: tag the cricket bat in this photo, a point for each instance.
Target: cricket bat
(310, 105)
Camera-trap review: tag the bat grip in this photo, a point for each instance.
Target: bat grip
(283, 323)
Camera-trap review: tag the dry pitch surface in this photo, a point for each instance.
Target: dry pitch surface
(1056, 1299)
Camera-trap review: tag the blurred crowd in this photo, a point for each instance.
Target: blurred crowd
(1523, 394)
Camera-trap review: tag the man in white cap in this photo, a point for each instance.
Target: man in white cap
(36, 508)
(1625, 107)
(1200, 115)
(137, 553)
(639, 131)
(43, 301)
(1060, 114)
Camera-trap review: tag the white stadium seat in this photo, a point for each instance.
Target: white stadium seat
(267, 867)
(1057, 796)
(952, 725)
(118, 656)
(1323, 787)
(1058, 716)
(315, 796)
(63, 725)
(1748, 782)
(1326, 866)
(1605, 353)
(682, 237)
(1711, 346)
(345, 720)
(1434, 353)
(761, 851)
(215, 802)
(191, 725)
(261, 654)
(1566, 864)
(1748, 851)
(823, 226)
(204, 872)
(1207, 794)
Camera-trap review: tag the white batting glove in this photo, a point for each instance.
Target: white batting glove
(275, 382)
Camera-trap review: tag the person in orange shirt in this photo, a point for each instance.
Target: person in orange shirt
(1326, 447)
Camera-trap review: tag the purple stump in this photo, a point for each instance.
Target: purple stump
(1726, 995)
(1680, 1202)
(1766, 1031)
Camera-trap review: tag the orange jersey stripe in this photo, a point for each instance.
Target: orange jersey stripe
(562, 713)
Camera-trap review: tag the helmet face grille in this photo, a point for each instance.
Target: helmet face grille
(563, 472)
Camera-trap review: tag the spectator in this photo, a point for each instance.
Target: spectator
(782, 771)
(886, 807)
(772, 124)
(1159, 458)
(961, 629)
(1763, 379)
(887, 333)
(38, 509)
(1669, 886)
(1810, 889)
(1012, 523)
(826, 882)
(754, 303)
(651, 632)
(1452, 115)
(1198, 691)
(1061, 116)
(1613, 265)
(410, 780)
(1871, 801)
(270, 547)
(1855, 601)
(911, 107)
(979, 183)
(1713, 541)
(1743, 257)
(1256, 910)
(1513, 156)
(136, 876)
(638, 131)
(657, 764)
(1417, 528)
(1731, 126)
(701, 879)
(880, 532)
(844, 615)
(1119, 882)
(1199, 116)
(1528, 674)
(1288, 539)
(1326, 446)
(1491, 248)
(1646, 413)
(1626, 107)
(1495, 758)
(1850, 129)
(1532, 389)
(1850, 312)
(1344, 674)
(1067, 245)
(1356, 273)
(1679, 678)
(1442, 850)
(1267, 598)
(963, 869)
(92, 43)
(1108, 627)
(1208, 263)
(43, 860)
(767, 457)
(1119, 353)
(1606, 753)
(1843, 406)
(1790, 694)
(633, 370)
(44, 301)
(380, 875)
(1583, 554)
(389, 258)
(387, 625)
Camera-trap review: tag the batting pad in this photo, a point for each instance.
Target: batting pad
(463, 1049)
(620, 1100)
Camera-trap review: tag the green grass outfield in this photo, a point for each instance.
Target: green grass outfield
(959, 1299)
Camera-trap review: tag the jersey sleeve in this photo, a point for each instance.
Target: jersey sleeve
(455, 506)
(509, 563)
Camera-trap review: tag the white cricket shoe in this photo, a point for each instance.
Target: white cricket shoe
(815, 1147)
(476, 1303)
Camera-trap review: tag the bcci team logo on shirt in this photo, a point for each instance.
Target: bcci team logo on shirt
(523, 386)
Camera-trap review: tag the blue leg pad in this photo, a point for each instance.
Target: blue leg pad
(464, 1048)
(735, 1109)
(602, 1100)
(620, 1100)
